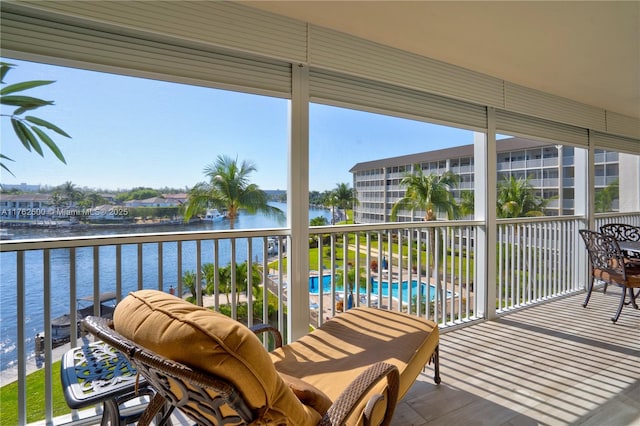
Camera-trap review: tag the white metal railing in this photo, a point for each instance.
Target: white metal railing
(423, 268)
(537, 260)
(38, 274)
(617, 217)
(430, 271)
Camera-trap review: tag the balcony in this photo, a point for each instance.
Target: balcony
(543, 358)
(517, 346)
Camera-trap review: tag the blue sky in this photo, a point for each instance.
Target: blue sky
(129, 132)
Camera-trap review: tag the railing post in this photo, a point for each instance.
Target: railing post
(22, 352)
(298, 205)
(584, 204)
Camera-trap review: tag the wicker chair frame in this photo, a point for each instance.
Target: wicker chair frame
(608, 264)
(201, 392)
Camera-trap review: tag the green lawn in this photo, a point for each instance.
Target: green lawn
(314, 263)
(35, 398)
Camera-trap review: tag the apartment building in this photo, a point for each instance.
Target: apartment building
(549, 168)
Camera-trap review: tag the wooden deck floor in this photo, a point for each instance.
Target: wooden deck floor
(552, 364)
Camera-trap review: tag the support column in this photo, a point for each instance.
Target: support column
(485, 187)
(584, 205)
(298, 206)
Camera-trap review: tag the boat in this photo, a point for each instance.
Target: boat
(273, 246)
(61, 326)
(213, 215)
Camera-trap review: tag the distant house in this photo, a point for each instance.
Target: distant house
(25, 206)
(109, 197)
(153, 202)
(180, 198)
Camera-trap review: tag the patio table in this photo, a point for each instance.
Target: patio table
(633, 246)
(97, 373)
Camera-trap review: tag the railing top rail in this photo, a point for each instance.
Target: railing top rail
(540, 219)
(121, 239)
(616, 214)
(329, 229)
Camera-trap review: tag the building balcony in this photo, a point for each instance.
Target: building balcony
(516, 346)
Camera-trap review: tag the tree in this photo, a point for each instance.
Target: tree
(94, 199)
(229, 189)
(140, 193)
(318, 221)
(431, 193)
(467, 203)
(606, 196)
(517, 198)
(70, 193)
(28, 129)
(343, 197)
(241, 281)
(350, 283)
(189, 282)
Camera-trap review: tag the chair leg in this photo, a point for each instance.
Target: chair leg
(158, 410)
(110, 413)
(436, 365)
(586, 300)
(621, 304)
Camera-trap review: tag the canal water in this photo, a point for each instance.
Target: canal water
(34, 319)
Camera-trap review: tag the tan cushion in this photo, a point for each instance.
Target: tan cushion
(332, 356)
(308, 394)
(211, 342)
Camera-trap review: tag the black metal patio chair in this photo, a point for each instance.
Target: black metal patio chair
(608, 265)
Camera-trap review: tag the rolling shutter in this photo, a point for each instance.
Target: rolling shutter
(354, 92)
(69, 41)
(615, 143)
(512, 123)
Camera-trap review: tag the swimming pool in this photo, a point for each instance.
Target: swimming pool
(326, 288)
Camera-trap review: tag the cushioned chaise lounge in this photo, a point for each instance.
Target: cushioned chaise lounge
(334, 375)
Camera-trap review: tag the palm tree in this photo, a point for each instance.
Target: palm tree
(229, 189)
(517, 198)
(189, 282)
(318, 221)
(351, 283)
(605, 196)
(467, 203)
(343, 197)
(242, 279)
(70, 193)
(431, 193)
(208, 275)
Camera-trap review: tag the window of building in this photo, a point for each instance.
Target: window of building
(539, 175)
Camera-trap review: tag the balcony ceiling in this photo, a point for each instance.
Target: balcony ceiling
(585, 51)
